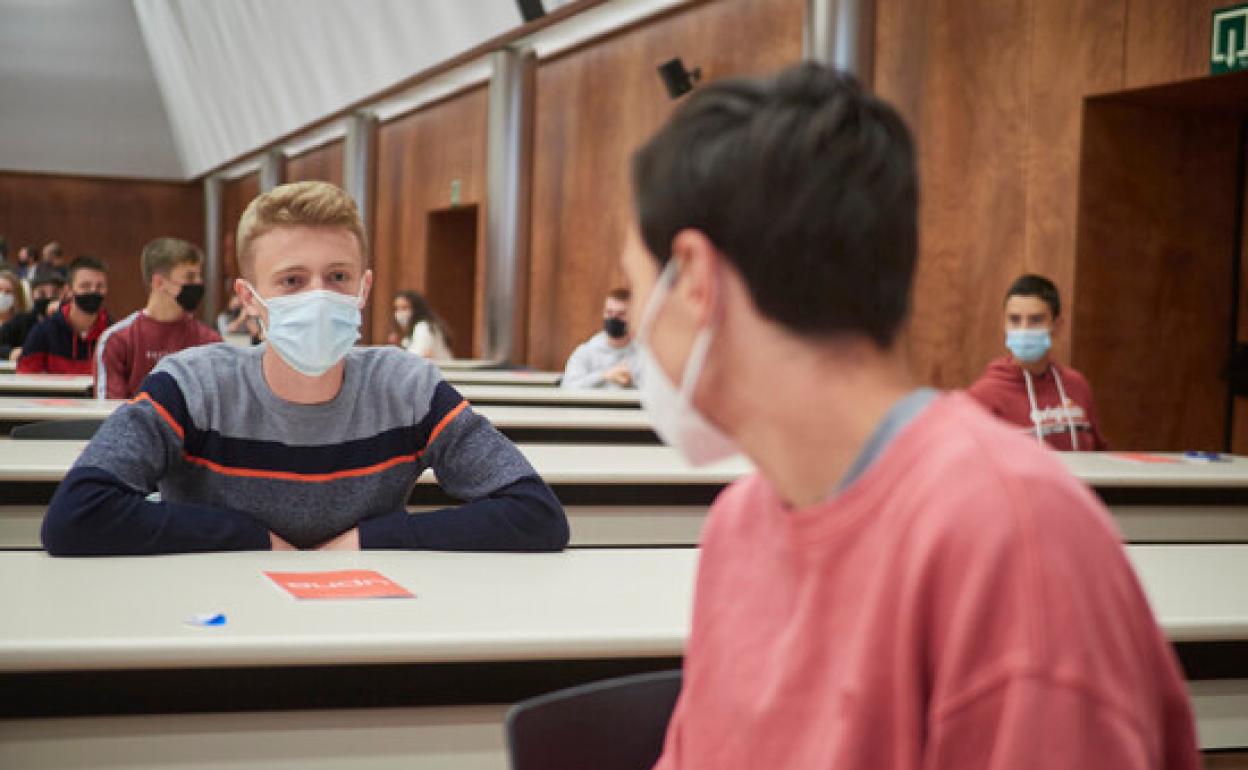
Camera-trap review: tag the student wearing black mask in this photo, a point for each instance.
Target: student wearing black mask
(64, 342)
(13, 333)
(609, 358)
(174, 272)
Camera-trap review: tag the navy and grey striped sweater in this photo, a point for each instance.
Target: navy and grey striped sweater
(233, 462)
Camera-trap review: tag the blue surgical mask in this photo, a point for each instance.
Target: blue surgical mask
(312, 330)
(1028, 345)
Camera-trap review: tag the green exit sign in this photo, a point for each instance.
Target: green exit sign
(1228, 49)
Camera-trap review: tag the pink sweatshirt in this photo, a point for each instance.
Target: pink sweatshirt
(965, 603)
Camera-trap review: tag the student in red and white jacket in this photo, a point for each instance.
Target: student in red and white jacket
(1028, 388)
(131, 348)
(65, 342)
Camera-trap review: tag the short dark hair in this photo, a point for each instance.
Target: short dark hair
(1032, 285)
(620, 294)
(52, 278)
(806, 183)
(85, 262)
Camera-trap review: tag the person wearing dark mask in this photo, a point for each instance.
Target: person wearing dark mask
(609, 358)
(13, 332)
(131, 348)
(65, 342)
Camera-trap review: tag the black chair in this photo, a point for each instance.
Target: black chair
(80, 430)
(615, 724)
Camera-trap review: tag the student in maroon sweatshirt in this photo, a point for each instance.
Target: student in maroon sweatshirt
(64, 342)
(1028, 388)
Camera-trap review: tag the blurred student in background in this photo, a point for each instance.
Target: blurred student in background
(44, 291)
(64, 342)
(609, 358)
(1028, 388)
(417, 328)
(128, 351)
(12, 304)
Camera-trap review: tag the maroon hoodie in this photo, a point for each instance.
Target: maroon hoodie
(1002, 390)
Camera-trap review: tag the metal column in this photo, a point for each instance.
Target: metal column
(842, 33)
(357, 163)
(510, 159)
(272, 170)
(212, 251)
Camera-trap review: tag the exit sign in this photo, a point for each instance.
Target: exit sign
(1228, 48)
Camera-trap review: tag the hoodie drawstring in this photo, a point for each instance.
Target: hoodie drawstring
(1035, 409)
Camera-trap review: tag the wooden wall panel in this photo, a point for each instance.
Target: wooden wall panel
(109, 218)
(236, 194)
(1167, 40)
(1239, 424)
(595, 105)
(419, 156)
(1156, 238)
(322, 164)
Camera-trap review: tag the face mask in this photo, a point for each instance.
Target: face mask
(89, 303)
(41, 305)
(6, 302)
(616, 328)
(312, 330)
(403, 318)
(1028, 345)
(670, 407)
(189, 296)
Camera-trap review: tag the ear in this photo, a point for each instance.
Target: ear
(366, 287)
(1059, 325)
(697, 272)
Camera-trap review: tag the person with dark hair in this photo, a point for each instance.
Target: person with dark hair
(173, 270)
(13, 333)
(1028, 388)
(905, 582)
(64, 342)
(415, 327)
(27, 260)
(52, 260)
(609, 358)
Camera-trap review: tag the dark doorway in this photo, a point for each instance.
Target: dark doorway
(451, 273)
(1158, 267)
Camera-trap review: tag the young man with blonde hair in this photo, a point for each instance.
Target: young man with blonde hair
(129, 350)
(305, 441)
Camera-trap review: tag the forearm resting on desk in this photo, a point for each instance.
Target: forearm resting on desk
(523, 516)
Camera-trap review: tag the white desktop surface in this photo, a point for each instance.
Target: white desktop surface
(45, 383)
(36, 408)
(528, 394)
(7, 366)
(500, 377)
(118, 612)
(1113, 469)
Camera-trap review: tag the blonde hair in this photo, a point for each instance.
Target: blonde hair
(19, 291)
(163, 254)
(311, 204)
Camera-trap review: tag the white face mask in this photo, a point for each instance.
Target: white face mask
(403, 318)
(6, 301)
(670, 407)
(312, 330)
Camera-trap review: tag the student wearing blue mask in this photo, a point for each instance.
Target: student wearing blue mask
(1028, 388)
(306, 441)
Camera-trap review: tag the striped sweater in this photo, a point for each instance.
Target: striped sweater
(233, 462)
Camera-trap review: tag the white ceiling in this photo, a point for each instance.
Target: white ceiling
(173, 88)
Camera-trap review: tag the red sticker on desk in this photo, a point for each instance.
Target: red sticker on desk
(343, 584)
(1140, 457)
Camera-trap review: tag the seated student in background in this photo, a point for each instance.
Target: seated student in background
(13, 332)
(1028, 388)
(129, 350)
(305, 441)
(12, 303)
(609, 358)
(905, 582)
(417, 328)
(65, 341)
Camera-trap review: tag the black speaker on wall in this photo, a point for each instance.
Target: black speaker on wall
(678, 80)
(531, 10)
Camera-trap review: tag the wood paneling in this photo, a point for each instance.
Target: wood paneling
(419, 157)
(1239, 424)
(1235, 760)
(594, 106)
(235, 195)
(1167, 40)
(1155, 242)
(322, 164)
(109, 218)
